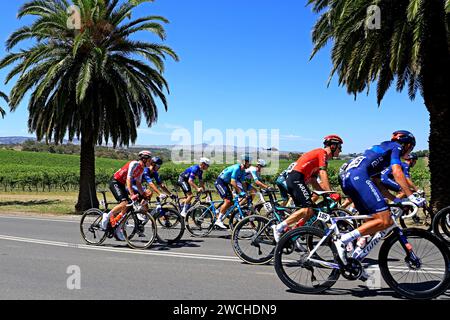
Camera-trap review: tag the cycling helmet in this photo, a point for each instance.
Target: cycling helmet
(158, 161)
(246, 157)
(145, 155)
(332, 139)
(262, 163)
(404, 137)
(205, 161)
(412, 157)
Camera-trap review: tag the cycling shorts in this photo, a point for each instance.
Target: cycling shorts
(298, 190)
(184, 185)
(118, 190)
(223, 189)
(362, 190)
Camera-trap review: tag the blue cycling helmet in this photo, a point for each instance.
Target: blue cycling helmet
(412, 157)
(404, 137)
(158, 161)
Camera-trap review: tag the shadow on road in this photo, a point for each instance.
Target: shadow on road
(29, 203)
(178, 245)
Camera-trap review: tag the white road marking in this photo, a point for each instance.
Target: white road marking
(117, 250)
(40, 219)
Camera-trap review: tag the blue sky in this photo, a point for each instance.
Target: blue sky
(245, 64)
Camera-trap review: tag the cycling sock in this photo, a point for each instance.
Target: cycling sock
(282, 226)
(220, 217)
(349, 237)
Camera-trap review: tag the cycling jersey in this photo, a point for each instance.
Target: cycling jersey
(356, 179)
(311, 163)
(286, 172)
(192, 173)
(378, 158)
(387, 177)
(251, 174)
(132, 170)
(233, 173)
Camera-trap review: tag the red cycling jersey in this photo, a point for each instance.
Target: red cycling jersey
(310, 163)
(133, 170)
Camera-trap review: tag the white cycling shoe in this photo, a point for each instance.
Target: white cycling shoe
(276, 234)
(220, 225)
(105, 220)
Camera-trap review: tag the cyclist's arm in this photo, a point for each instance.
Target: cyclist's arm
(235, 186)
(138, 185)
(165, 189)
(384, 191)
(192, 183)
(261, 185)
(323, 175)
(400, 178)
(412, 185)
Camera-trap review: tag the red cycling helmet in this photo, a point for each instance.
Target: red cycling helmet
(332, 139)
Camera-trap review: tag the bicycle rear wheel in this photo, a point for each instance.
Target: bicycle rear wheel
(441, 225)
(139, 230)
(426, 277)
(90, 227)
(253, 240)
(170, 227)
(292, 266)
(200, 221)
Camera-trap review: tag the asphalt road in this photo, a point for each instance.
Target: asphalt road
(40, 256)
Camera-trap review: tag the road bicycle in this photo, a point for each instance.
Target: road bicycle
(201, 218)
(139, 227)
(253, 241)
(441, 225)
(413, 262)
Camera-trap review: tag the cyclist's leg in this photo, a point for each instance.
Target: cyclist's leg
(119, 192)
(225, 193)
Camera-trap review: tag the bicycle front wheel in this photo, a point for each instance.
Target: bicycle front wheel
(441, 225)
(90, 227)
(139, 230)
(253, 240)
(421, 272)
(299, 273)
(170, 227)
(200, 221)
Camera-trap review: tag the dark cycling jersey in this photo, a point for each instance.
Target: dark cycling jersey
(378, 158)
(387, 178)
(192, 173)
(356, 182)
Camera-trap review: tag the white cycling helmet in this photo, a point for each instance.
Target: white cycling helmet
(262, 163)
(205, 161)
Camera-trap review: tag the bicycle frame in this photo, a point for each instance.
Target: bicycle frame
(334, 230)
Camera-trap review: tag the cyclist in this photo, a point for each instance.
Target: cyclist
(234, 176)
(282, 184)
(254, 174)
(387, 178)
(154, 181)
(187, 182)
(120, 183)
(356, 182)
(308, 169)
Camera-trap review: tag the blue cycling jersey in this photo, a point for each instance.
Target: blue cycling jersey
(233, 173)
(150, 177)
(387, 178)
(192, 173)
(378, 158)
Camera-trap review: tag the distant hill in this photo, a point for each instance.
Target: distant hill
(21, 140)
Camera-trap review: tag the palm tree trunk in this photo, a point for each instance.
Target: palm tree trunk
(436, 78)
(87, 197)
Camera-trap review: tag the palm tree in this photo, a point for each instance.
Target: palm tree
(4, 97)
(93, 83)
(411, 48)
